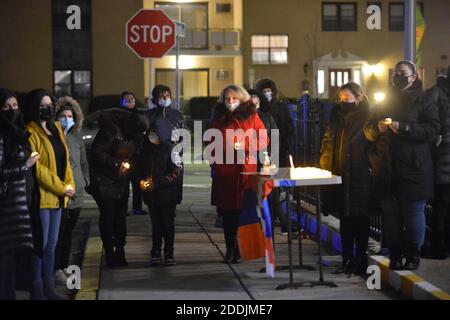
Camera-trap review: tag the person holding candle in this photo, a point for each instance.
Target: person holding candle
(234, 111)
(344, 153)
(56, 185)
(403, 128)
(70, 116)
(113, 152)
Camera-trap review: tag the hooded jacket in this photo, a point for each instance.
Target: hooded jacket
(77, 153)
(282, 118)
(228, 184)
(401, 162)
(15, 228)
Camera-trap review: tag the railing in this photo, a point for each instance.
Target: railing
(211, 39)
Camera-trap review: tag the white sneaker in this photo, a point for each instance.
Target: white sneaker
(60, 278)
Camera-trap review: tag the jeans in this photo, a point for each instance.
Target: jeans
(404, 226)
(137, 195)
(163, 227)
(69, 218)
(7, 275)
(50, 219)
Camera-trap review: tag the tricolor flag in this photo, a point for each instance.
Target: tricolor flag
(255, 225)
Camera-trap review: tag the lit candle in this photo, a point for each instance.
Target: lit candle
(126, 165)
(388, 121)
(34, 154)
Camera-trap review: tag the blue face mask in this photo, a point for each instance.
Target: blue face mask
(66, 123)
(165, 103)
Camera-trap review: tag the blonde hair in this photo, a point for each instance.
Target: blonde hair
(240, 92)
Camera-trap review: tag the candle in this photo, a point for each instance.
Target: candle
(34, 154)
(126, 165)
(309, 173)
(388, 121)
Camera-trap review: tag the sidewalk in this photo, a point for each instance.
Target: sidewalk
(200, 272)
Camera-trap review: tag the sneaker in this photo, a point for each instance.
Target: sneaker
(154, 261)
(345, 267)
(396, 264)
(412, 263)
(170, 261)
(60, 278)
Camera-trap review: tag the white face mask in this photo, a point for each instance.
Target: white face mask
(233, 106)
(268, 96)
(165, 103)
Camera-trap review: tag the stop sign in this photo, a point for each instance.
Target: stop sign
(150, 33)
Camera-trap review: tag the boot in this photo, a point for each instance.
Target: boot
(229, 255)
(109, 257)
(236, 256)
(345, 267)
(412, 257)
(396, 258)
(37, 291)
(120, 259)
(50, 293)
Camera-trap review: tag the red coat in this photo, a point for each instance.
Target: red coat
(228, 183)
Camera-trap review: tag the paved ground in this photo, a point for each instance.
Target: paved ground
(200, 272)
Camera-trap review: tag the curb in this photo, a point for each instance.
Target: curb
(92, 261)
(410, 284)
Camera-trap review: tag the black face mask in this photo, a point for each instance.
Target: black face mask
(12, 115)
(348, 106)
(46, 114)
(400, 81)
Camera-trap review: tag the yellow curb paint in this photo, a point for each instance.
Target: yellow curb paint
(384, 268)
(408, 282)
(440, 295)
(91, 270)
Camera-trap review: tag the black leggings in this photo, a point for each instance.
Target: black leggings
(230, 226)
(440, 224)
(69, 219)
(113, 222)
(163, 227)
(354, 230)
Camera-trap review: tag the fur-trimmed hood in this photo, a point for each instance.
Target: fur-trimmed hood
(264, 83)
(78, 113)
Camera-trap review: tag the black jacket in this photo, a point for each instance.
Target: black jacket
(440, 94)
(15, 228)
(117, 141)
(401, 162)
(344, 152)
(155, 162)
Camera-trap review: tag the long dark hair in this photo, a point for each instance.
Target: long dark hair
(31, 110)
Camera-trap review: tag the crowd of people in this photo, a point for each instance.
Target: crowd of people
(393, 158)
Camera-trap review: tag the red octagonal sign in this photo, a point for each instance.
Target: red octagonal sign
(150, 33)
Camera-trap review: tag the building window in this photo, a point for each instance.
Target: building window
(321, 81)
(75, 83)
(269, 49)
(72, 51)
(397, 14)
(339, 16)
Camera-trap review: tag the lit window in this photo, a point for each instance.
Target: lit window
(357, 76)
(321, 81)
(269, 49)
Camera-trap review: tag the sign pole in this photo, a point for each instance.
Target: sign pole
(178, 72)
(150, 83)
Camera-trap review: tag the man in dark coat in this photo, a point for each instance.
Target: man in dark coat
(113, 155)
(440, 228)
(403, 129)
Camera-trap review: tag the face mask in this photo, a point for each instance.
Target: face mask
(165, 103)
(12, 115)
(349, 105)
(46, 114)
(67, 123)
(268, 96)
(233, 106)
(400, 81)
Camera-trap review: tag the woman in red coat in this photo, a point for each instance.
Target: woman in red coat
(234, 111)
